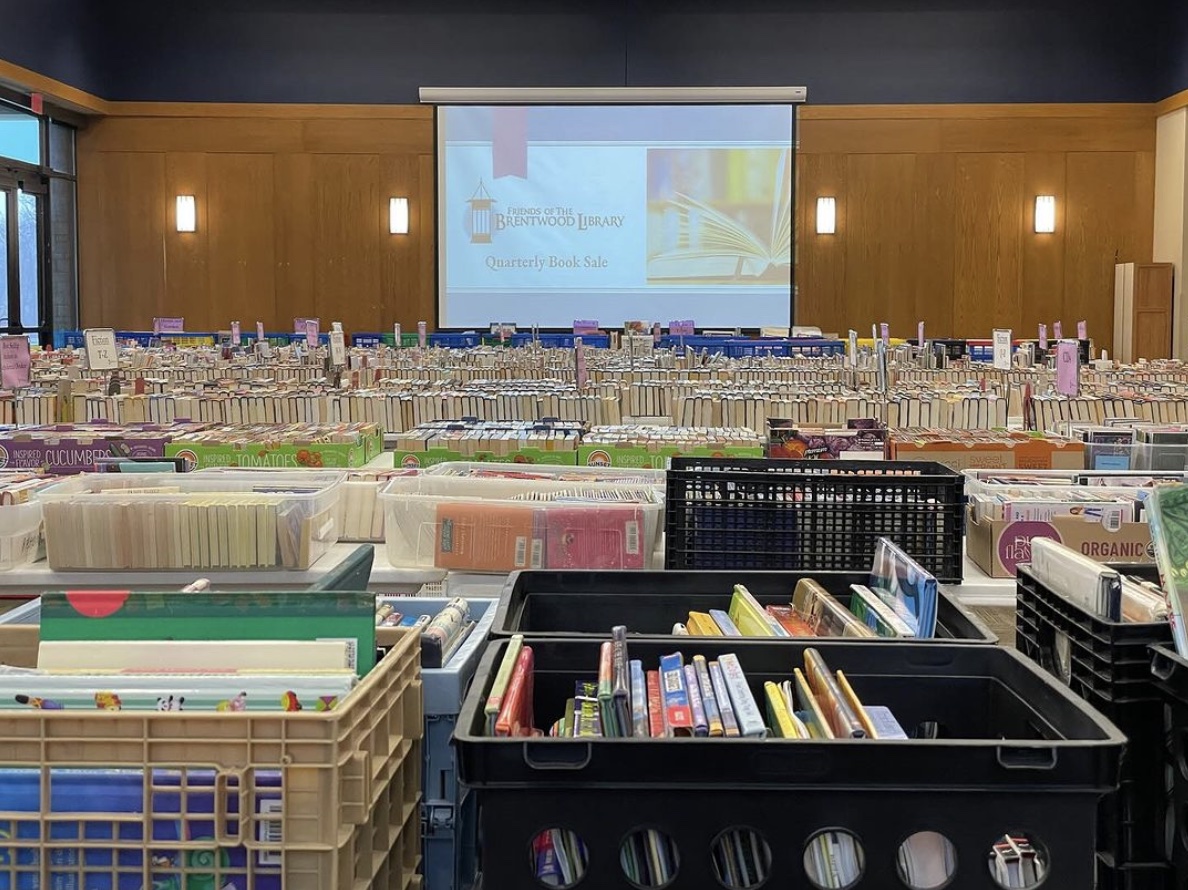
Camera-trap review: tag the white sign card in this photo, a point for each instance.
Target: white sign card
(102, 352)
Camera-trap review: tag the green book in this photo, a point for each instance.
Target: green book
(87, 615)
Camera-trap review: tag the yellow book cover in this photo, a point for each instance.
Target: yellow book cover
(748, 616)
(778, 715)
(700, 624)
(855, 704)
(818, 726)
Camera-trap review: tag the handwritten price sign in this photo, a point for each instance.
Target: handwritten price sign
(15, 361)
(102, 352)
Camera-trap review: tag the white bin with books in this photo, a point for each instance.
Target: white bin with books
(501, 525)
(191, 521)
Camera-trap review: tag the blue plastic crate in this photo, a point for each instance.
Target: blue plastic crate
(450, 841)
(467, 340)
(711, 345)
(816, 348)
(745, 348)
(562, 341)
(62, 339)
(443, 807)
(369, 341)
(144, 338)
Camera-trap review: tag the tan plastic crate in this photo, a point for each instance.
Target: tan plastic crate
(343, 790)
(18, 644)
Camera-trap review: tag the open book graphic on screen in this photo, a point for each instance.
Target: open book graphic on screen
(739, 230)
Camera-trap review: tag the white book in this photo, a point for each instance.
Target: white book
(183, 655)
(746, 711)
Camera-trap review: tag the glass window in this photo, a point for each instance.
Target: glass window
(63, 253)
(20, 135)
(61, 147)
(30, 267)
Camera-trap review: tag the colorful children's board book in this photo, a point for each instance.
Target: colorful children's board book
(83, 616)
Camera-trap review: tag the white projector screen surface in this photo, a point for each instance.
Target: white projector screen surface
(547, 214)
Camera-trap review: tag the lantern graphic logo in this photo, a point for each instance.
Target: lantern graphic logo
(478, 216)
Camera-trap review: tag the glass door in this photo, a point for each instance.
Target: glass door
(22, 255)
(4, 254)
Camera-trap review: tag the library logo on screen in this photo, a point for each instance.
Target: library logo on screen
(478, 216)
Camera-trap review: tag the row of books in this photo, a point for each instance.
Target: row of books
(675, 699)
(1098, 588)
(186, 651)
(393, 411)
(812, 612)
(442, 634)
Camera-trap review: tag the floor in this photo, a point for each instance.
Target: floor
(1000, 620)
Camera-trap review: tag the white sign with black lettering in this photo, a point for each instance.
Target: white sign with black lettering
(102, 352)
(337, 348)
(1002, 349)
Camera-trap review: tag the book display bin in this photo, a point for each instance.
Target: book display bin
(260, 800)
(589, 604)
(1108, 664)
(1016, 752)
(811, 515)
(447, 811)
(1171, 679)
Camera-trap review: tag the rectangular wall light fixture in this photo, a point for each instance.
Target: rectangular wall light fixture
(187, 213)
(398, 216)
(1045, 214)
(826, 216)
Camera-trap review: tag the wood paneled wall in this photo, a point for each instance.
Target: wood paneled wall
(934, 208)
(935, 215)
(292, 216)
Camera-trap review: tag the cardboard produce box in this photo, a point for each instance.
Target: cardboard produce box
(68, 448)
(1006, 451)
(412, 460)
(998, 546)
(656, 456)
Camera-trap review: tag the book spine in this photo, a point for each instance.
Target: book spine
(713, 714)
(587, 712)
(677, 715)
(746, 711)
(729, 721)
(639, 700)
(514, 716)
(606, 685)
(696, 705)
(722, 619)
(655, 706)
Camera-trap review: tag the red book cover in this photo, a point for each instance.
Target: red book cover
(515, 717)
(655, 706)
(589, 537)
(790, 621)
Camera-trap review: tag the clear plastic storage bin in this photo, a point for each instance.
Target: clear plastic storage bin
(226, 521)
(501, 525)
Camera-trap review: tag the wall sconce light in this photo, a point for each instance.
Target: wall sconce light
(826, 216)
(398, 216)
(1045, 214)
(187, 213)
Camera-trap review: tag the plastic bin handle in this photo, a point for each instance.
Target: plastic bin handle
(1026, 758)
(1161, 665)
(222, 782)
(553, 756)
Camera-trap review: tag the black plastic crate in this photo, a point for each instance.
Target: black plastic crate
(1016, 752)
(1170, 671)
(1087, 651)
(1107, 663)
(812, 515)
(1133, 876)
(589, 604)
